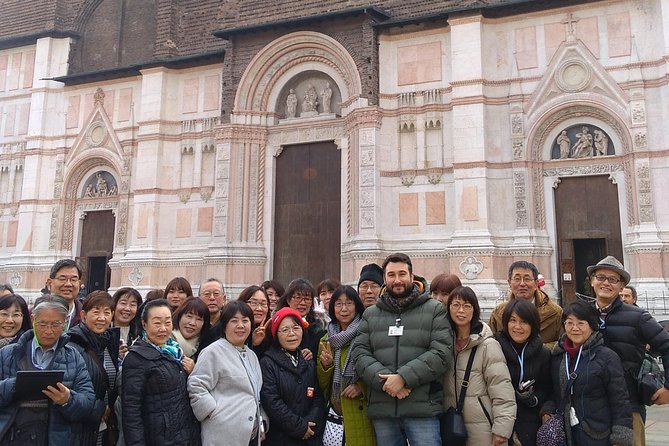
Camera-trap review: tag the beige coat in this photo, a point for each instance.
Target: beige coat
(550, 318)
(490, 390)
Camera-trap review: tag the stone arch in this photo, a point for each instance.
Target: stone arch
(272, 68)
(546, 125)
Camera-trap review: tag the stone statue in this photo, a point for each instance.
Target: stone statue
(102, 186)
(291, 104)
(90, 193)
(601, 142)
(326, 97)
(583, 146)
(564, 142)
(310, 100)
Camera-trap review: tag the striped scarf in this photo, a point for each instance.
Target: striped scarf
(338, 339)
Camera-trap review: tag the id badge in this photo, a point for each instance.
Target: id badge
(396, 330)
(310, 392)
(573, 419)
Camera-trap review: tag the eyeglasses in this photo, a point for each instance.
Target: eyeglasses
(611, 280)
(294, 330)
(525, 279)
(571, 324)
(257, 304)
(458, 306)
(340, 305)
(5, 315)
(299, 298)
(215, 294)
(367, 287)
(63, 279)
(57, 325)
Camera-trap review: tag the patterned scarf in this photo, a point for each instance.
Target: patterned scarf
(171, 348)
(339, 339)
(6, 341)
(398, 305)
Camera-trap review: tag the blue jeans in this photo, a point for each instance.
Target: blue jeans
(396, 431)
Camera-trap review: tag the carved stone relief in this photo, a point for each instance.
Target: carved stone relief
(520, 196)
(53, 231)
(638, 112)
(15, 280)
(582, 141)
(135, 276)
(471, 267)
(309, 94)
(644, 193)
(516, 125)
(573, 75)
(518, 149)
(100, 184)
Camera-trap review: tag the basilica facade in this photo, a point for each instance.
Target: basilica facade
(257, 140)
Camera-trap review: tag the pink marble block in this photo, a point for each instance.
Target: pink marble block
(205, 219)
(618, 27)
(29, 69)
(28, 245)
(554, 35)
(108, 103)
(435, 208)
(190, 96)
(526, 48)
(23, 116)
(419, 63)
(15, 72)
(89, 102)
(183, 222)
(73, 107)
(408, 209)
(211, 92)
(12, 230)
(142, 222)
(3, 71)
(588, 32)
(124, 104)
(10, 119)
(470, 203)
(2, 234)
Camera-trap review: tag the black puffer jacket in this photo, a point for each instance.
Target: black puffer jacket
(628, 330)
(92, 348)
(285, 396)
(536, 360)
(599, 395)
(156, 406)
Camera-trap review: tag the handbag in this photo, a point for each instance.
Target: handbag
(334, 429)
(649, 379)
(552, 432)
(452, 423)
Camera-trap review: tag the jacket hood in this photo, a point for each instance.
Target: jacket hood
(477, 338)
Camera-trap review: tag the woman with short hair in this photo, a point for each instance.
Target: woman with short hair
(189, 321)
(156, 406)
(256, 297)
(225, 384)
(176, 291)
(442, 285)
(589, 390)
(528, 361)
(98, 345)
(14, 319)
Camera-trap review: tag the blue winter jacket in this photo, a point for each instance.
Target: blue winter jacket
(64, 427)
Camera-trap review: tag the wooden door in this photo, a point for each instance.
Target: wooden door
(588, 229)
(307, 213)
(97, 245)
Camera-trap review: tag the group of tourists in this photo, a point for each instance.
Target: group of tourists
(393, 361)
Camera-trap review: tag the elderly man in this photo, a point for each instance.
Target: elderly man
(627, 330)
(64, 280)
(523, 281)
(212, 293)
(628, 295)
(52, 420)
(403, 348)
(370, 283)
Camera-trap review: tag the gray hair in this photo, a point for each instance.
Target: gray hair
(213, 279)
(50, 302)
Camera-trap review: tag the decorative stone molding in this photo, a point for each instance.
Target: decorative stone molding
(573, 75)
(645, 195)
(516, 124)
(434, 177)
(520, 196)
(53, 231)
(638, 112)
(96, 134)
(135, 276)
(471, 267)
(122, 224)
(518, 150)
(408, 178)
(639, 139)
(590, 169)
(96, 206)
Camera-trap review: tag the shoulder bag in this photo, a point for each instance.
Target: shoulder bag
(453, 429)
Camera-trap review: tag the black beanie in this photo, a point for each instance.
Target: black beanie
(371, 272)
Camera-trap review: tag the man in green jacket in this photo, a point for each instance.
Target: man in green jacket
(403, 347)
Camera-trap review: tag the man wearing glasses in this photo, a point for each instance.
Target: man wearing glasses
(627, 330)
(369, 284)
(212, 293)
(64, 280)
(523, 281)
(403, 348)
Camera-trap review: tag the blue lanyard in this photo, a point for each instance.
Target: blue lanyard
(521, 360)
(572, 375)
